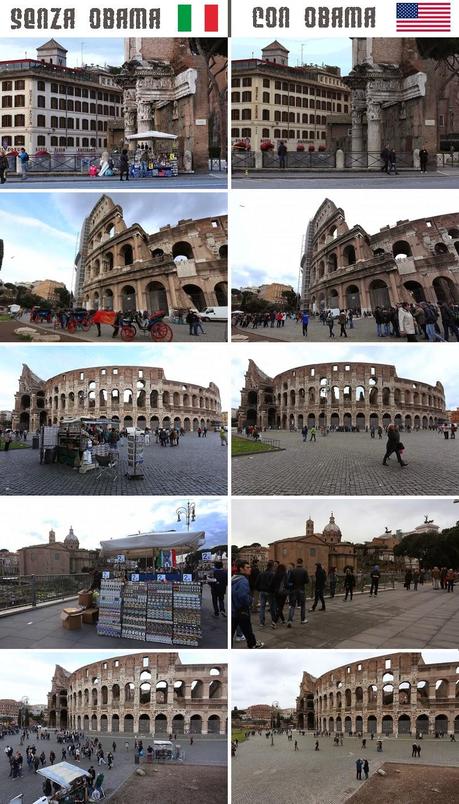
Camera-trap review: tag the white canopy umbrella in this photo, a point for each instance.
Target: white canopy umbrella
(152, 135)
(63, 774)
(140, 543)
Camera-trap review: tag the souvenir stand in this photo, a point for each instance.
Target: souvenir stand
(160, 604)
(163, 164)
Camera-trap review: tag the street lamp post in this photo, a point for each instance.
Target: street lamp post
(274, 707)
(189, 511)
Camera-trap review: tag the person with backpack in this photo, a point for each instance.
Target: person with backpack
(240, 604)
(280, 592)
(3, 166)
(297, 580)
(265, 588)
(375, 575)
(24, 160)
(320, 580)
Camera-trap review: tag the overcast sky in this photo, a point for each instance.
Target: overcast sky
(120, 519)
(29, 673)
(200, 365)
(334, 52)
(427, 363)
(253, 683)
(53, 223)
(108, 51)
(283, 218)
(359, 520)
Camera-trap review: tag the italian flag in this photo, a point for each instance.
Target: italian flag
(185, 18)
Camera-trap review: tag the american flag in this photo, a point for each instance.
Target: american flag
(423, 17)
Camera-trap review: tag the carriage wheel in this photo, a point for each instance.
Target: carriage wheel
(71, 326)
(161, 332)
(128, 332)
(86, 325)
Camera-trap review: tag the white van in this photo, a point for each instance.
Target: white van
(215, 314)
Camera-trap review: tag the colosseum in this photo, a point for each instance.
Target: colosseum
(120, 267)
(142, 693)
(393, 694)
(347, 395)
(350, 269)
(124, 395)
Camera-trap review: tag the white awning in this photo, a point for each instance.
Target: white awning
(141, 543)
(152, 135)
(63, 774)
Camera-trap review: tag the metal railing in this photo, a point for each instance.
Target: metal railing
(365, 160)
(450, 159)
(300, 159)
(218, 165)
(362, 583)
(242, 160)
(31, 590)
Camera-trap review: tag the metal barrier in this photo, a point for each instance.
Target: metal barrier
(300, 159)
(242, 160)
(217, 165)
(371, 160)
(450, 159)
(31, 590)
(362, 583)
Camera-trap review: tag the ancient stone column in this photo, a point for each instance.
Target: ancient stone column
(374, 134)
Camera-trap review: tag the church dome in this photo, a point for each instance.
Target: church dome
(331, 532)
(71, 540)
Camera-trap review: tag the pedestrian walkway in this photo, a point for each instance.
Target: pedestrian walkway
(363, 330)
(396, 619)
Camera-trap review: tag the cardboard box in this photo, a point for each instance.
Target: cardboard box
(71, 619)
(90, 616)
(85, 598)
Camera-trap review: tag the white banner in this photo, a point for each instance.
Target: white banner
(115, 18)
(329, 18)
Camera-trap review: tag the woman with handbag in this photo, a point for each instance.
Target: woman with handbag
(394, 445)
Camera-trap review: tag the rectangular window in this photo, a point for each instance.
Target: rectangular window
(312, 551)
(115, 371)
(387, 664)
(7, 86)
(146, 661)
(81, 375)
(246, 82)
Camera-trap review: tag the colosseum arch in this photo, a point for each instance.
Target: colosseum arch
(415, 290)
(445, 290)
(196, 296)
(182, 251)
(379, 293)
(221, 293)
(401, 249)
(156, 296)
(128, 299)
(195, 724)
(127, 254)
(178, 724)
(349, 255)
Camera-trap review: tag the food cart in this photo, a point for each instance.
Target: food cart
(72, 781)
(163, 164)
(156, 602)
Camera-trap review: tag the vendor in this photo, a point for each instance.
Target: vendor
(96, 581)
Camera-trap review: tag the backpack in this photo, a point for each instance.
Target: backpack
(25, 158)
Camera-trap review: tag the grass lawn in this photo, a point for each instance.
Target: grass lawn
(4, 317)
(241, 446)
(238, 734)
(14, 445)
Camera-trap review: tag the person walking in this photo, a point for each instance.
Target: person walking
(374, 577)
(280, 591)
(349, 583)
(320, 579)
(282, 154)
(298, 579)
(240, 604)
(124, 164)
(406, 323)
(330, 324)
(393, 445)
(342, 323)
(3, 166)
(313, 432)
(305, 322)
(218, 589)
(423, 159)
(366, 768)
(24, 163)
(393, 162)
(265, 588)
(385, 156)
(358, 767)
(304, 432)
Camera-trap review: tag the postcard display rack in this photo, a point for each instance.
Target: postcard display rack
(152, 611)
(135, 456)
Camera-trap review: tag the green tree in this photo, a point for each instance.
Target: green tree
(64, 297)
(432, 549)
(291, 300)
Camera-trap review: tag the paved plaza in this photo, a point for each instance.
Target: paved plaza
(41, 627)
(214, 332)
(266, 774)
(196, 466)
(349, 464)
(204, 751)
(364, 330)
(397, 618)
(198, 181)
(445, 178)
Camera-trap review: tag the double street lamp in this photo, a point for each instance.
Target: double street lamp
(189, 511)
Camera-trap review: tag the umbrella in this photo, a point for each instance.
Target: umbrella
(63, 774)
(152, 135)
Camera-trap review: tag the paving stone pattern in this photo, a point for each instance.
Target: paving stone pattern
(350, 464)
(265, 774)
(197, 466)
(395, 619)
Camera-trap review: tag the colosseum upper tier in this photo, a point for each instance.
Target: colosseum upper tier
(142, 693)
(124, 395)
(347, 268)
(121, 267)
(393, 694)
(338, 395)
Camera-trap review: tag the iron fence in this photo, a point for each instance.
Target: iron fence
(450, 159)
(300, 159)
(362, 583)
(218, 165)
(242, 160)
(371, 160)
(31, 590)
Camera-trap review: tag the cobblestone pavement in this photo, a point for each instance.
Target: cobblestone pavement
(215, 332)
(197, 466)
(266, 774)
(397, 618)
(204, 751)
(364, 330)
(42, 628)
(350, 464)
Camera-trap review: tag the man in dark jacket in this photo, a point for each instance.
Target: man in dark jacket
(264, 585)
(393, 445)
(320, 578)
(448, 319)
(240, 604)
(253, 584)
(375, 576)
(282, 154)
(218, 589)
(297, 580)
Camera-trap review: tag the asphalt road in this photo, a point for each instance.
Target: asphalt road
(205, 181)
(447, 179)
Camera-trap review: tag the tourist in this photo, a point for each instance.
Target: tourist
(450, 578)
(296, 745)
(349, 583)
(342, 323)
(358, 765)
(304, 433)
(305, 322)
(254, 573)
(126, 745)
(124, 164)
(436, 578)
(240, 604)
(385, 156)
(393, 162)
(110, 760)
(393, 445)
(282, 154)
(320, 579)
(414, 750)
(408, 579)
(423, 159)
(280, 592)
(313, 432)
(223, 437)
(316, 747)
(406, 322)
(298, 578)
(366, 768)
(374, 576)
(3, 166)
(330, 324)
(24, 163)
(218, 589)
(265, 588)
(415, 579)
